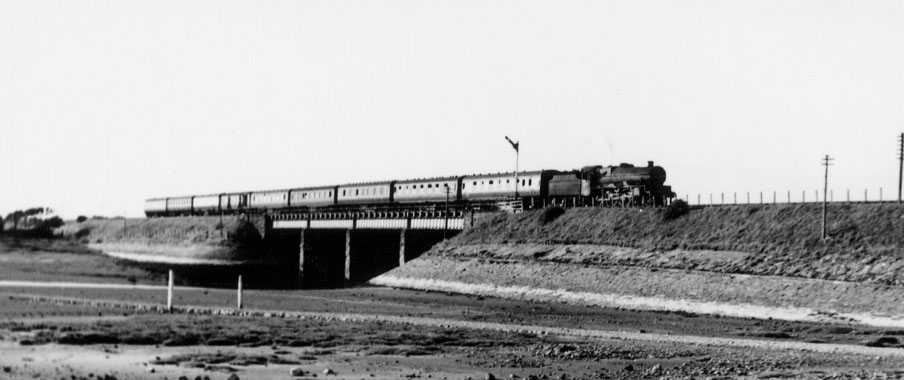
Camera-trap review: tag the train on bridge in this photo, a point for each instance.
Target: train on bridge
(621, 185)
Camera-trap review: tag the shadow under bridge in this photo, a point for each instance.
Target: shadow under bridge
(343, 251)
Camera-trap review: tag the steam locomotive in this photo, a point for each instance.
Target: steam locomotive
(622, 185)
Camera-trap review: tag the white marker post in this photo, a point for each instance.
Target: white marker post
(169, 292)
(238, 300)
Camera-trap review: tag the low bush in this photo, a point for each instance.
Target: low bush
(549, 214)
(81, 218)
(82, 232)
(675, 210)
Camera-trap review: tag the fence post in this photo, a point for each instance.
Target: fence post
(774, 197)
(761, 197)
(169, 292)
(803, 196)
(710, 199)
(238, 294)
(880, 194)
(735, 198)
(866, 195)
(789, 196)
(723, 198)
(748, 197)
(698, 199)
(848, 191)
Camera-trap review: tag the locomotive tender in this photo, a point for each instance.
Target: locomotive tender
(622, 185)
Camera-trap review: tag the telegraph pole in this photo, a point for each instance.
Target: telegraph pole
(900, 163)
(826, 161)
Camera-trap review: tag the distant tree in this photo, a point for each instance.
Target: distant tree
(26, 217)
(81, 218)
(14, 217)
(29, 216)
(46, 226)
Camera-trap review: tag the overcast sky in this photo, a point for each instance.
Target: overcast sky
(103, 104)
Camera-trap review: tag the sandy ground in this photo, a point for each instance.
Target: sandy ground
(257, 347)
(447, 306)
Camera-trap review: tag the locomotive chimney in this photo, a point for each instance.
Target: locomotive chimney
(649, 164)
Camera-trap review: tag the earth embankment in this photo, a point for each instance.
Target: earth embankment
(206, 240)
(759, 261)
(866, 241)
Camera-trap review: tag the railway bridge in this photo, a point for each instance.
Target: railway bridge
(340, 248)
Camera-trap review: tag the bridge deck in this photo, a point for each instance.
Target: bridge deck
(374, 224)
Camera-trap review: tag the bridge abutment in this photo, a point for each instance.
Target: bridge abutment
(413, 243)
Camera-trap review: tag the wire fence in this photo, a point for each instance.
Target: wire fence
(866, 195)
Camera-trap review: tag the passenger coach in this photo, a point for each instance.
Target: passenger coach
(619, 185)
(423, 190)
